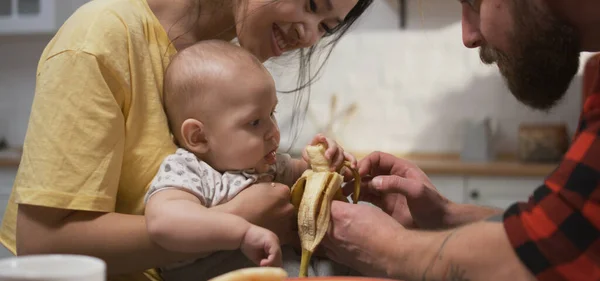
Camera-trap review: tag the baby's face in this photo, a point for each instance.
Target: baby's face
(243, 132)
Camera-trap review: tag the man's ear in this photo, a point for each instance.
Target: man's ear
(194, 136)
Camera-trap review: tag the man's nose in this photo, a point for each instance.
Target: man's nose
(470, 27)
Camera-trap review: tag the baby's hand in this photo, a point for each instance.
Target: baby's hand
(262, 247)
(334, 153)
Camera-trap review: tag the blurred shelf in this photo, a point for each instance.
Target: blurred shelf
(450, 164)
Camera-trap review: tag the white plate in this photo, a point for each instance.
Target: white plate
(52, 268)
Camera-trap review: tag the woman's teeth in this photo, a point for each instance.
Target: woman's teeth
(279, 38)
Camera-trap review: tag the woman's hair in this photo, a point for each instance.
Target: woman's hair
(305, 76)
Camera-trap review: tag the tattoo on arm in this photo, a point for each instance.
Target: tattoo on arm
(452, 272)
(455, 274)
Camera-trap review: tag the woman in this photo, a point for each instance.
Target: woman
(97, 131)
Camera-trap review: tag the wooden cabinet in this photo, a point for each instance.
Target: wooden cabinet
(7, 177)
(452, 187)
(35, 16)
(499, 192)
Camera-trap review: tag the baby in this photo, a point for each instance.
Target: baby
(220, 102)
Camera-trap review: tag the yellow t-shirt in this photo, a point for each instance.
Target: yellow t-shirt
(97, 131)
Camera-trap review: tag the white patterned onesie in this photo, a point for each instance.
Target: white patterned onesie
(183, 170)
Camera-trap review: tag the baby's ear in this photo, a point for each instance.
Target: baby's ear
(193, 136)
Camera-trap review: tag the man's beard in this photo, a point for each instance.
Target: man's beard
(543, 60)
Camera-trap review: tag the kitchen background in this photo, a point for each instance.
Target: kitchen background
(409, 90)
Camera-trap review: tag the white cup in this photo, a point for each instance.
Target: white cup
(52, 268)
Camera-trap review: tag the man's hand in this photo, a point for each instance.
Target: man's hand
(402, 190)
(348, 243)
(390, 250)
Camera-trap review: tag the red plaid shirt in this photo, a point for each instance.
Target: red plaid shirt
(556, 234)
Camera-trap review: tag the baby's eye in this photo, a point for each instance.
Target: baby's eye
(255, 122)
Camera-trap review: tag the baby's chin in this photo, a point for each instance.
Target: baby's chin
(262, 167)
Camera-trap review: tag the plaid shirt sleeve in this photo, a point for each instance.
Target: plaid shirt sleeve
(556, 234)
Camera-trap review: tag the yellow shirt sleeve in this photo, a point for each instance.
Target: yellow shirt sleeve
(97, 131)
(73, 149)
(74, 145)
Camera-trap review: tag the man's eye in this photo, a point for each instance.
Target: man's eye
(255, 123)
(313, 5)
(474, 4)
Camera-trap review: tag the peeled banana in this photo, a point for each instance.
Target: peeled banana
(311, 196)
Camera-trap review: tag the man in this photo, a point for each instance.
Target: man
(554, 236)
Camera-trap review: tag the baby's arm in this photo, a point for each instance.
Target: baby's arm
(177, 221)
(177, 217)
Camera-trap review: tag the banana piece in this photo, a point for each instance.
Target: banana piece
(253, 274)
(311, 196)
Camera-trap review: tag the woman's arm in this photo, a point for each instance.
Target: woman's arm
(121, 240)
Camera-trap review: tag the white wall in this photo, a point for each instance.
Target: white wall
(18, 61)
(413, 87)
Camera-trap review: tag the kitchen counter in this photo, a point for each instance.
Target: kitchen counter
(450, 164)
(496, 168)
(10, 157)
(430, 163)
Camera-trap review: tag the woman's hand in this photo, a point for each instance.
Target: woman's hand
(267, 205)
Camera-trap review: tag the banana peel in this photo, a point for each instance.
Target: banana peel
(311, 196)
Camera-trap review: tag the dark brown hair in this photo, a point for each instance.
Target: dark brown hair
(305, 76)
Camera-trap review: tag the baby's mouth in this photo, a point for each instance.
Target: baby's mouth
(270, 158)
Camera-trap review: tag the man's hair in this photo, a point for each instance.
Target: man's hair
(190, 73)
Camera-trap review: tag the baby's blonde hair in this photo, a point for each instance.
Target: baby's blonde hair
(190, 74)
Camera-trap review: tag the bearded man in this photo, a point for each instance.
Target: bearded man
(417, 234)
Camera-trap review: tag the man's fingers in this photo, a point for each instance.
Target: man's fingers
(378, 163)
(375, 163)
(396, 184)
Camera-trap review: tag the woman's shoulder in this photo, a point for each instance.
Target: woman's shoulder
(98, 27)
